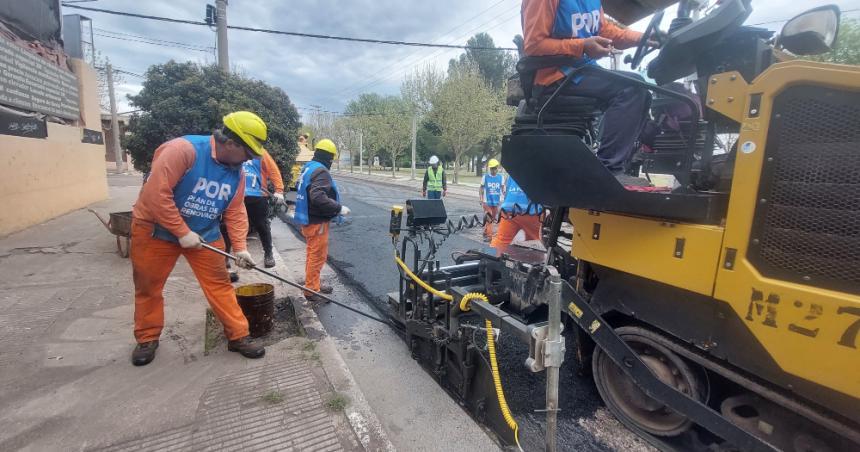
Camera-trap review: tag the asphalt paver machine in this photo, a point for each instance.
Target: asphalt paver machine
(720, 314)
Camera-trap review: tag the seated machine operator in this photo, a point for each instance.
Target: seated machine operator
(578, 28)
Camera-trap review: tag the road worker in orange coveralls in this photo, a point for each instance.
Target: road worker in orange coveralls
(518, 214)
(194, 180)
(317, 203)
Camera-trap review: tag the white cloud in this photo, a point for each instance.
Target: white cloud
(325, 72)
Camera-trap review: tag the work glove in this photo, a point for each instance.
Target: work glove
(344, 210)
(244, 260)
(191, 240)
(279, 199)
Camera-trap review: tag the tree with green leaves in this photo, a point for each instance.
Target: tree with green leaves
(385, 123)
(186, 98)
(464, 111)
(495, 66)
(360, 112)
(420, 88)
(395, 128)
(846, 50)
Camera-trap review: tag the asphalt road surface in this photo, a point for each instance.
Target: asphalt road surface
(361, 251)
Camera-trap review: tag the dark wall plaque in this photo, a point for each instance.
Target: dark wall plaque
(31, 83)
(22, 126)
(93, 137)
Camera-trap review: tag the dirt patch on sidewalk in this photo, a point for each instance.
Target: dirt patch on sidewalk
(285, 325)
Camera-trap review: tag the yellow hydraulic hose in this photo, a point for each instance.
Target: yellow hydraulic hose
(491, 345)
(421, 283)
(494, 366)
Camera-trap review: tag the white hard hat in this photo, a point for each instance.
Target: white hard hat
(434, 160)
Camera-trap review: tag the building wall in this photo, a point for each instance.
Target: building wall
(43, 178)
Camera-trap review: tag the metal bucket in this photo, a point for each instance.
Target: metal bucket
(258, 304)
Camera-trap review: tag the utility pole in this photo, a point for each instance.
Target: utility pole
(114, 123)
(361, 151)
(414, 141)
(221, 29)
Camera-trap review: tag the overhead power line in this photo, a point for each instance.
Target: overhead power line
(403, 66)
(133, 74)
(163, 42)
(356, 115)
(286, 33)
(145, 41)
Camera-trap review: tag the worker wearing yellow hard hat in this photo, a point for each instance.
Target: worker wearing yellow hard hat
(195, 181)
(249, 128)
(490, 192)
(317, 203)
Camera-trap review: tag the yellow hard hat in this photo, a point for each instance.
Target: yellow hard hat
(249, 127)
(326, 145)
(492, 163)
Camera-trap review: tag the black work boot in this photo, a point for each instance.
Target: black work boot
(314, 298)
(269, 260)
(324, 288)
(246, 347)
(144, 353)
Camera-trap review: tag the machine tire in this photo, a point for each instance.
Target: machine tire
(628, 403)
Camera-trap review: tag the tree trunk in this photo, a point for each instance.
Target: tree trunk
(456, 169)
(486, 151)
(393, 166)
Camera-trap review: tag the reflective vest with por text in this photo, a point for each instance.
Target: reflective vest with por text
(202, 194)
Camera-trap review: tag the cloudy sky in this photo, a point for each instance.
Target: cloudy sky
(328, 73)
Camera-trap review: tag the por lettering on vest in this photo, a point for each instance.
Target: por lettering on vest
(212, 189)
(588, 21)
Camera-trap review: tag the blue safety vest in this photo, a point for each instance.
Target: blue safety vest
(492, 189)
(516, 200)
(302, 207)
(577, 19)
(253, 177)
(202, 194)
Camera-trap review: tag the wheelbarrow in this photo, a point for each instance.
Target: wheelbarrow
(119, 224)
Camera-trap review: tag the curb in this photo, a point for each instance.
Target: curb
(363, 421)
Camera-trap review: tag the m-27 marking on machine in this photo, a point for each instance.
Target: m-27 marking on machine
(766, 310)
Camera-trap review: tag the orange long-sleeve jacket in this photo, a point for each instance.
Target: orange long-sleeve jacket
(155, 203)
(269, 171)
(538, 18)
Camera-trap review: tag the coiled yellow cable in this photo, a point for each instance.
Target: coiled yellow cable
(491, 344)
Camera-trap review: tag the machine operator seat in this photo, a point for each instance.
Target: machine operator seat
(567, 115)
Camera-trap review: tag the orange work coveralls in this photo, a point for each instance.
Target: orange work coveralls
(316, 236)
(510, 226)
(153, 259)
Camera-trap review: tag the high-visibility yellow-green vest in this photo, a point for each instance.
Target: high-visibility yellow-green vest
(434, 181)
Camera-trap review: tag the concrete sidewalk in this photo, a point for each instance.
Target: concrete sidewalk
(66, 307)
